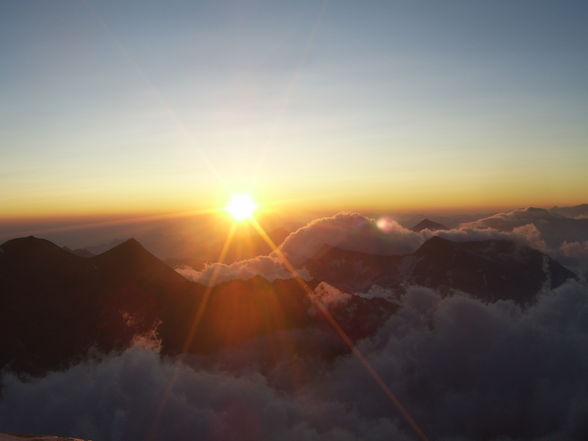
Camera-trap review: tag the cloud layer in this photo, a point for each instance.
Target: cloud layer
(553, 228)
(464, 369)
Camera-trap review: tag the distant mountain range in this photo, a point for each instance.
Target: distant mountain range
(489, 270)
(56, 305)
(427, 224)
(555, 228)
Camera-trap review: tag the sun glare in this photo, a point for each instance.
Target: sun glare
(241, 207)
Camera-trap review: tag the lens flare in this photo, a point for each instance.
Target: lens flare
(241, 207)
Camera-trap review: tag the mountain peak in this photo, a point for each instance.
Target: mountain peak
(28, 242)
(132, 258)
(428, 224)
(129, 248)
(536, 210)
(35, 249)
(131, 244)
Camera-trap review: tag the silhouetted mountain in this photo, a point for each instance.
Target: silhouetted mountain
(39, 256)
(427, 224)
(490, 270)
(82, 252)
(48, 304)
(130, 260)
(55, 306)
(353, 271)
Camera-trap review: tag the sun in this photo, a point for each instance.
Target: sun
(241, 207)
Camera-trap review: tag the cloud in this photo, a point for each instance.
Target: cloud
(553, 229)
(268, 267)
(527, 234)
(120, 397)
(352, 231)
(465, 370)
(329, 296)
(564, 238)
(377, 292)
(474, 234)
(482, 371)
(574, 255)
(507, 220)
(574, 249)
(532, 235)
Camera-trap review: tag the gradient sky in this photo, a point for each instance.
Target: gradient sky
(144, 106)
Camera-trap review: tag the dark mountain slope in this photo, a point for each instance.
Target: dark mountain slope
(353, 271)
(48, 304)
(56, 306)
(130, 260)
(489, 270)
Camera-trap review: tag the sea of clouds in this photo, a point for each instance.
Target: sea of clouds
(464, 369)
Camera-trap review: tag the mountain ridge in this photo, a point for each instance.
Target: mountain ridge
(107, 301)
(516, 271)
(427, 224)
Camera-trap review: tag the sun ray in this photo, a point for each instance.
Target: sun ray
(316, 303)
(193, 328)
(209, 288)
(341, 332)
(121, 221)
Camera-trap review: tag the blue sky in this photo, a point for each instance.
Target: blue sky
(116, 106)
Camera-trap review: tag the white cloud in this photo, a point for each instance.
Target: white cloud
(268, 267)
(507, 220)
(552, 229)
(350, 231)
